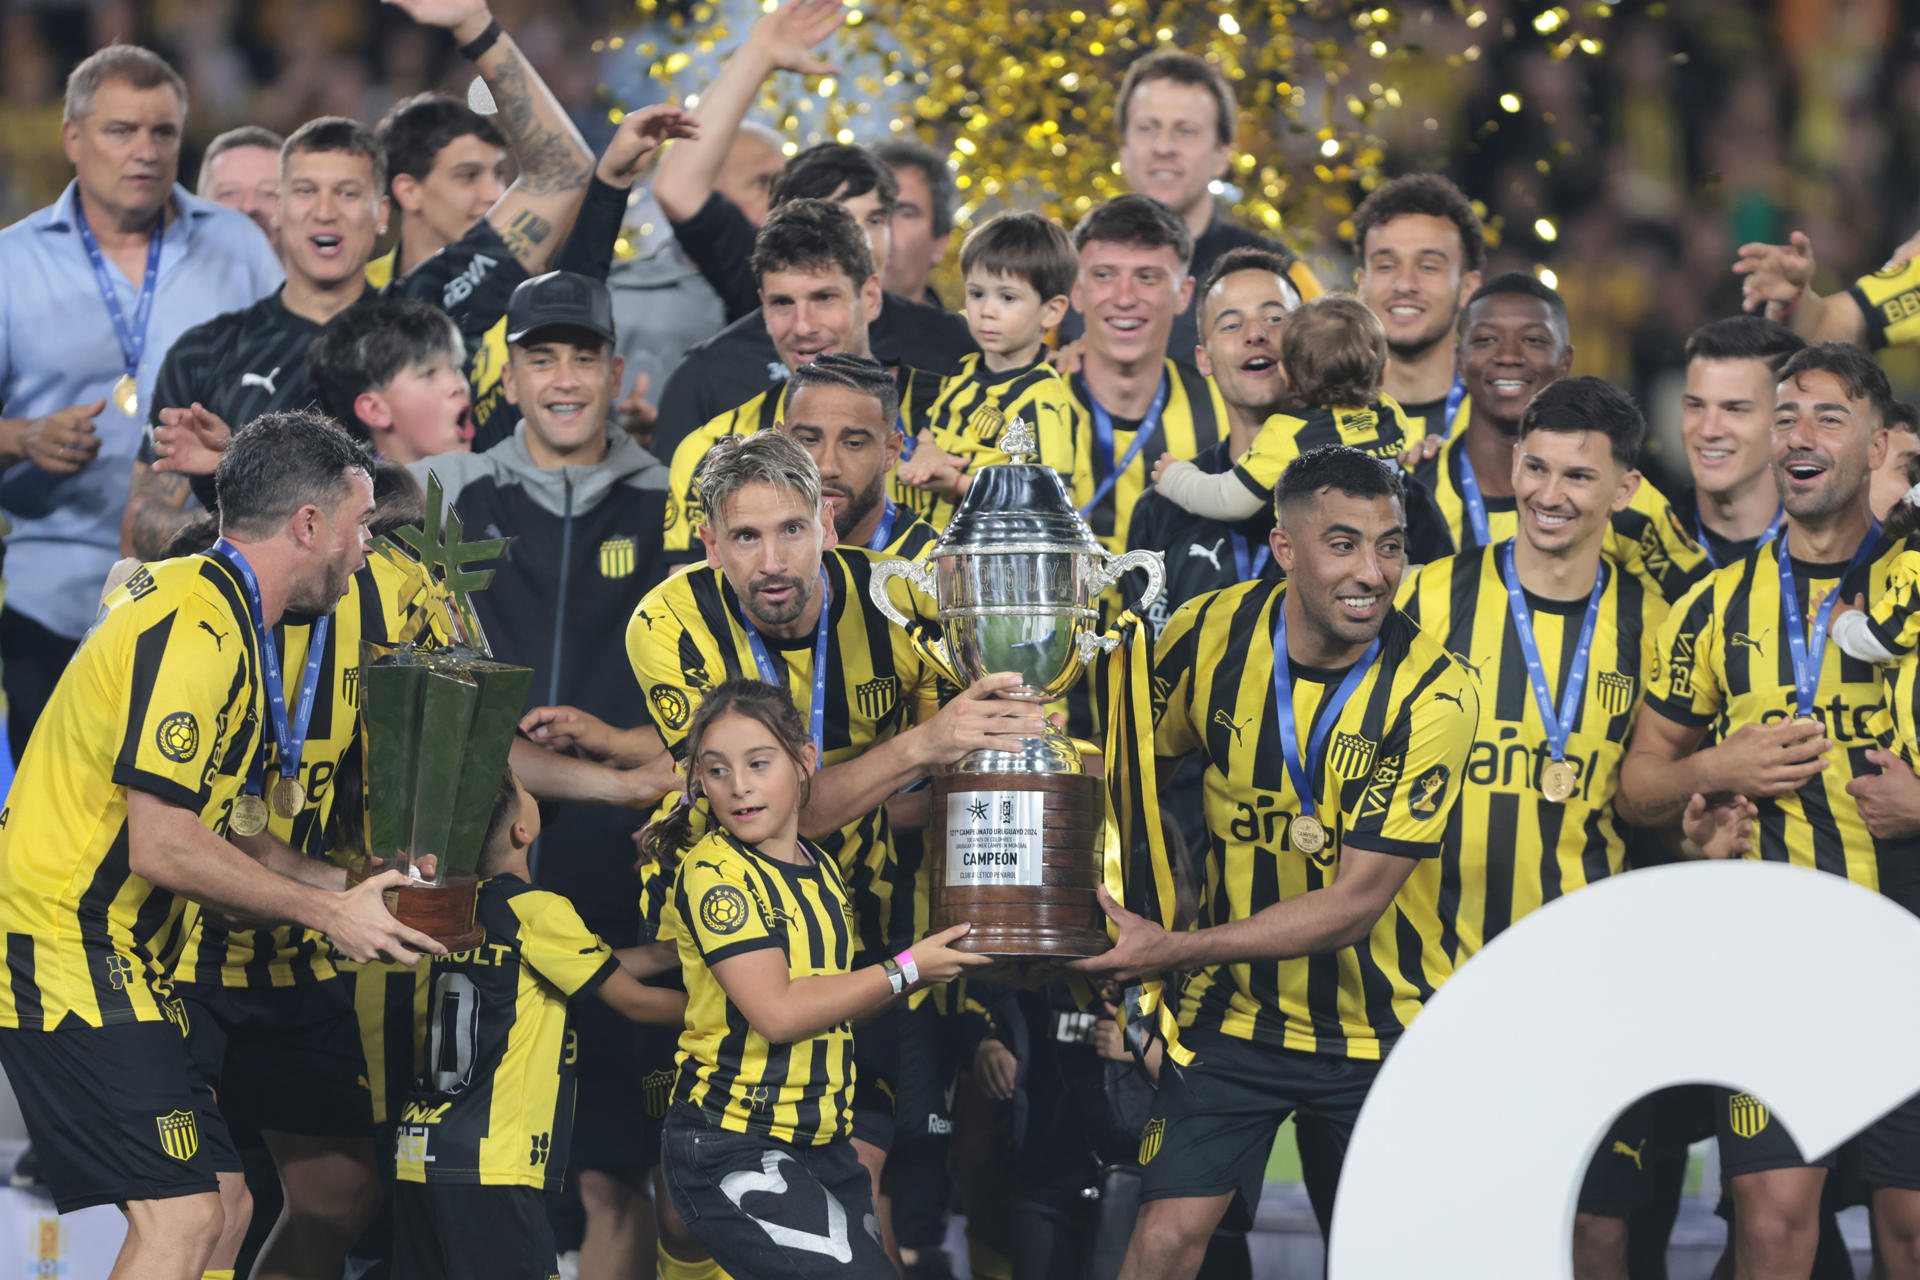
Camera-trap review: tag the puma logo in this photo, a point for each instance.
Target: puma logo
(1474, 667)
(1210, 554)
(1741, 640)
(264, 380)
(1454, 698)
(1632, 1153)
(218, 636)
(1226, 721)
(705, 863)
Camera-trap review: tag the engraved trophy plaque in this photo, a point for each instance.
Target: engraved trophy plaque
(1017, 840)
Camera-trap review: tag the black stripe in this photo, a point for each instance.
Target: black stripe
(96, 938)
(149, 651)
(1503, 837)
(28, 1012)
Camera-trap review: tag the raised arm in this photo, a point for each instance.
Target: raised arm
(535, 212)
(781, 41)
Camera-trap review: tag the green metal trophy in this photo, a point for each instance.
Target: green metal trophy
(436, 724)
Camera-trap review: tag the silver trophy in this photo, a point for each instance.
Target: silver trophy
(1017, 836)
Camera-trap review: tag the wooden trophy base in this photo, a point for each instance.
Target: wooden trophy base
(1020, 857)
(444, 912)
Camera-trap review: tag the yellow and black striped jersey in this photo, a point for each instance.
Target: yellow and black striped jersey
(729, 899)
(1890, 301)
(495, 1103)
(1723, 661)
(973, 409)
(154, 700)
(688, 636)
(1194, 418)
(1510, 850)
(1894, 619)
(1430, 417)
(1390, 773)
(387, 602)
(1646, 538)
(685, 514)
(1377, 429)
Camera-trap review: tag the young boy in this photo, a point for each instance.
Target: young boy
(391, 370)
(1333, 355)
(486, 1127)
(1019, 270)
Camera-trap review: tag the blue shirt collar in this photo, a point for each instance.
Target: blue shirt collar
(189, 210)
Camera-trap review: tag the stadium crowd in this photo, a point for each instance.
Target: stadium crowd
(711, 1030)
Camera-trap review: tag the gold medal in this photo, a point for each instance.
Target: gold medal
(249, 816)
(126, 395)
(289, 797)
(1558, 781)
(1308, 835)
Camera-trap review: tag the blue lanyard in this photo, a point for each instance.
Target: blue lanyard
(1244, 561)
(907, 443)
(1559, 728)
(133, 337)
(1806, 669)
(884, 534)
(817, 716)
(1455, 394)
(291, 738)
(1476, 506)
(1700, 531)
(1283, 706)
(1103, 439)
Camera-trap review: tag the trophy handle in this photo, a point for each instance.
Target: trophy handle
(1113, 568)
(918, 573)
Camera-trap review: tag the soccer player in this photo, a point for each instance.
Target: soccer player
(779, 599)
(1726, 424)
(487, 1126)
(1514, 342)
(758, 1135)
(819, 292)
(1561, 643)
(1747, 650)
(1337, 737)
(1019, 268)
(1136, 402)
(1421, 250)
(842, 409)
(123, 814)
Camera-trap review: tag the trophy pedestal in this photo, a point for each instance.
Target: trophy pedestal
(1020, 856)
(444, 912)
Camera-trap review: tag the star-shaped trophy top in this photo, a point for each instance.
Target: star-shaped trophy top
(1019, 442)
(437, 544)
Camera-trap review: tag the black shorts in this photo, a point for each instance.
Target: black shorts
(286, 1059)
(612, 1132)
(1888, 1150)
(766, 1208)
(1752, 1140)
(1620, 1180)
(876, 1077)
(457, 1230)
(114, 1114)
(1213, 1122)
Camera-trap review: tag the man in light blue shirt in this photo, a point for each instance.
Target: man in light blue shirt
(93, 290)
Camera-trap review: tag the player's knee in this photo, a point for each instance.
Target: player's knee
(1599, 1247)
(608, 1200)
(1166, 1241)
(675, 1236)
(1776, 1234)
(345, 1200)
(236, 1202)
(179, 1222)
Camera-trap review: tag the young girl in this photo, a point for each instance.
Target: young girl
(755, 1148)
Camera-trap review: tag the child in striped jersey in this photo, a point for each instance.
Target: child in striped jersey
(1333, 355)
(756, 1149)
(1019, 270)
(1888, 633)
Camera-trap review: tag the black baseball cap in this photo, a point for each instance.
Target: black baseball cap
(557, 299)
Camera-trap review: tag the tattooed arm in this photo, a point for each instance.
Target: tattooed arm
(535, 213)
(156, 510)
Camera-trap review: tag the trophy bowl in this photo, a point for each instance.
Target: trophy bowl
(1017, 839)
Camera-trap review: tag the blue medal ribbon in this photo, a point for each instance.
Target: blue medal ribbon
(817, 717)
(289, 737)
(1244, 561)
(1700, 531)
(1808, 651)
(1283, 707)
(884, 534)
(907, 443)
(1475, 504)
(1559, 727)
(132, 336)
(1455, 395)
(1103, 440)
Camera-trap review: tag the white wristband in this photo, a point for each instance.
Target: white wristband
(908, 967)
